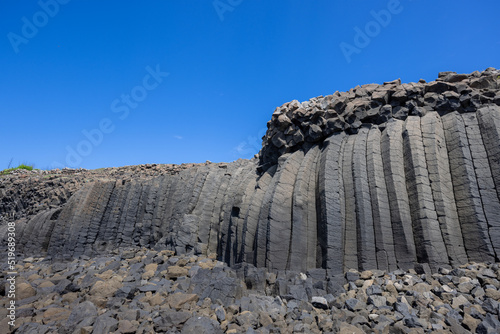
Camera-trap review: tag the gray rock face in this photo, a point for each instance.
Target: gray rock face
(380, 177)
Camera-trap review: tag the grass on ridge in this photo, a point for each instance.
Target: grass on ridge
(21, 166)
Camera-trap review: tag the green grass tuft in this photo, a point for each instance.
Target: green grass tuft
(21, 166)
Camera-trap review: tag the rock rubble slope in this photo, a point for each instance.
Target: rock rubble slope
(380, 177)
(145, 291)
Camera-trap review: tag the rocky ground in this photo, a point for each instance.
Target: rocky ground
(145, 291)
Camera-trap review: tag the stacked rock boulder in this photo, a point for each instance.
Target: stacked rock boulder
(295, 126)
(380, 177)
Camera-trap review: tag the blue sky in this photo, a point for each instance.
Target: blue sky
(111, 83)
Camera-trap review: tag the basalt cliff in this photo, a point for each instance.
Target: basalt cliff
(384, 176)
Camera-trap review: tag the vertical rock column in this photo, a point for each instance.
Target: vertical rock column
(144, 232)
(184, 233)
(469, 205)
(70, 232)
(164, 209)
(233, 212)
(331, 205)
(485, 183)
(392, 157)
(280, 214)
(252, 216)
(428, 239)
(248, 188)
(489, 124)
(142, 224)
(304, 223)
(381, 213)
(350, 223)
(205, 206)
(87, 219)
(214, 234)
(438, 168)
(262, 232)
(367, 257)
(109, 228)
(129, 214)
(102, 196)
(35, 235)
(228, 214)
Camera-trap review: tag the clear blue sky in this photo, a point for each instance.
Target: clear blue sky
(85, 66)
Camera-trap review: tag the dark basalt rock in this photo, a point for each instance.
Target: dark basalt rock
(380, 177)
(375, 104)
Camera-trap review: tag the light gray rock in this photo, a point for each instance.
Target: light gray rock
(199, 325)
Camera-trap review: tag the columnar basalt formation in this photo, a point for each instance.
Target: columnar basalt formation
(380, 177)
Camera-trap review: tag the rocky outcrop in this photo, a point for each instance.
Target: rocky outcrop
(25, 193)
(380, 177)
(298, 126)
